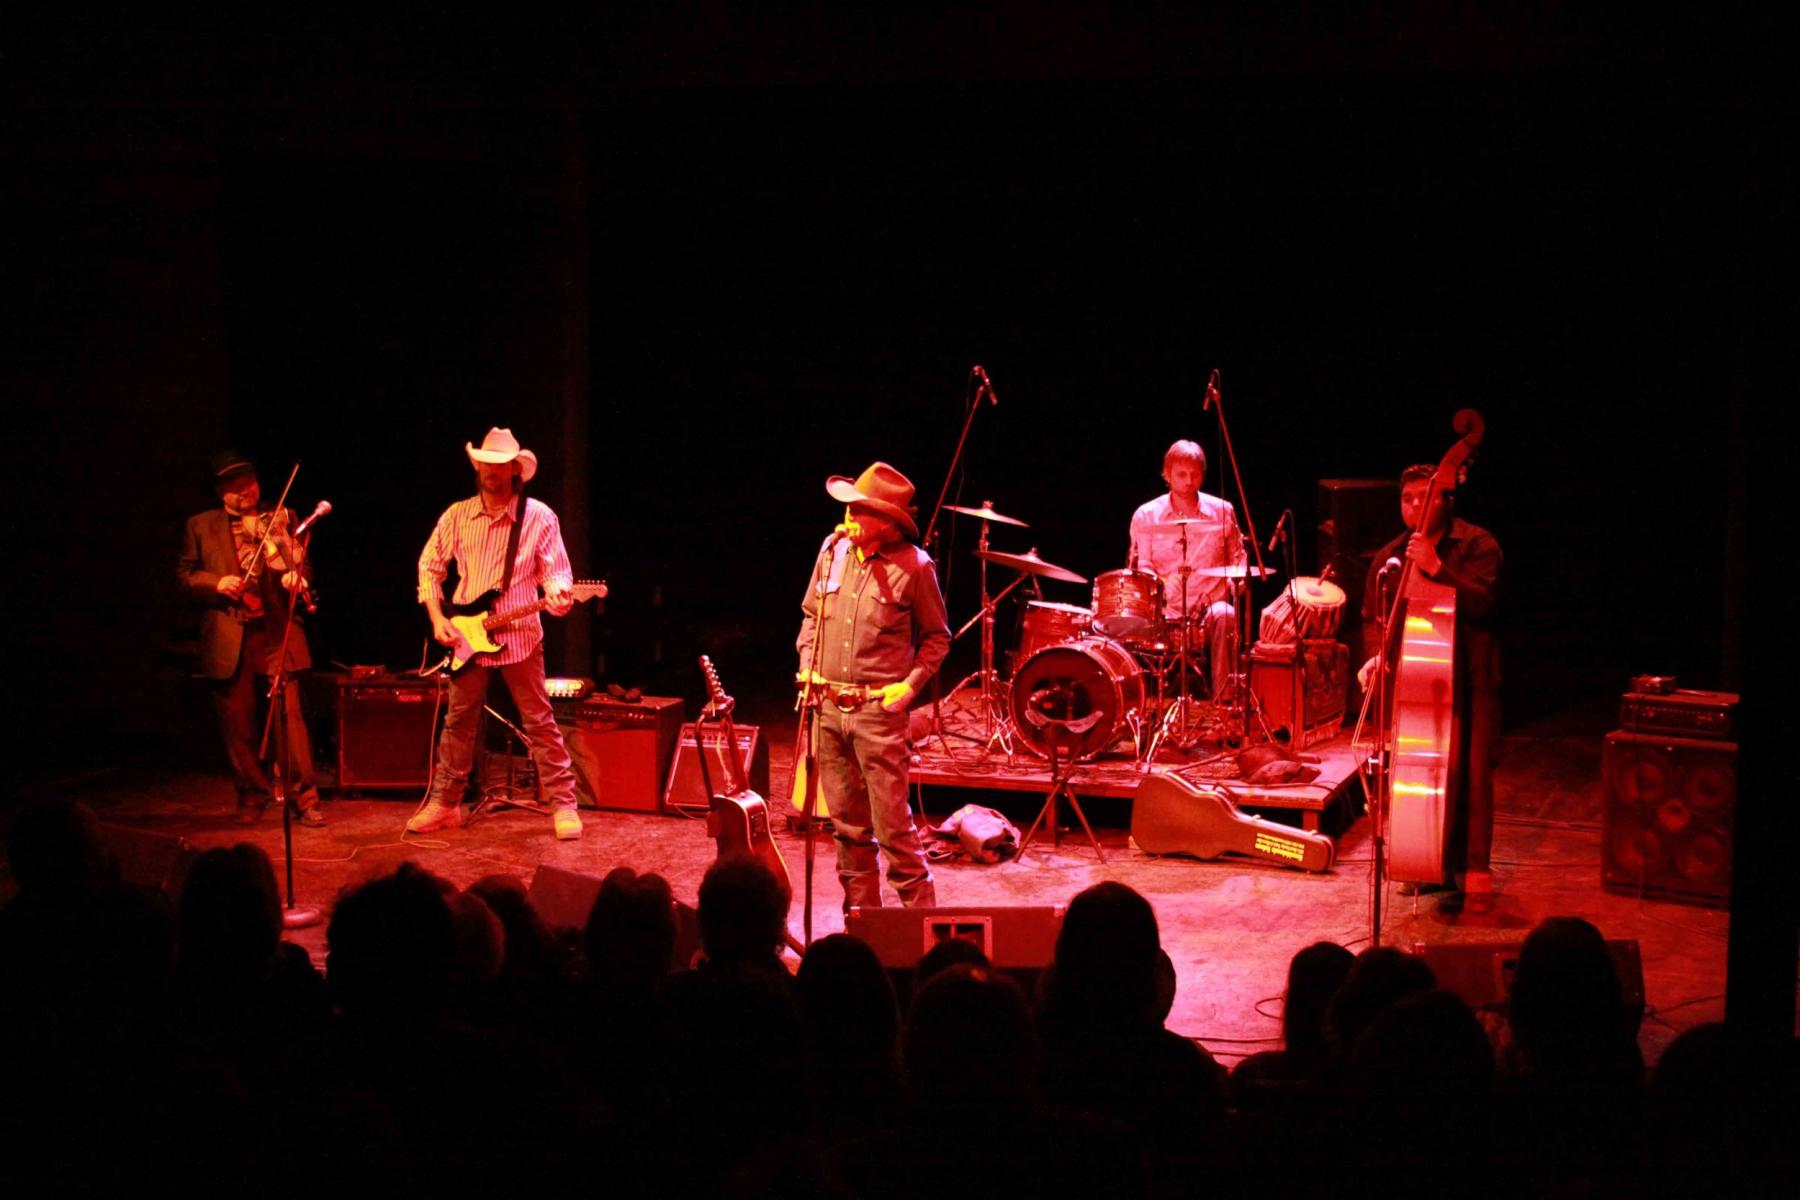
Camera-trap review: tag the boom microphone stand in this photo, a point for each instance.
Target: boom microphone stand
(930, 543)
(1238, 679)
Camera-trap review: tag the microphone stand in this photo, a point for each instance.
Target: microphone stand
(930, 540)
(507, 796)
(276, 725)
(806, 733)
(1215, 399)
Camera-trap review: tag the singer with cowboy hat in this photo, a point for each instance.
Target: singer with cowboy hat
(496, 527)
(873, 632)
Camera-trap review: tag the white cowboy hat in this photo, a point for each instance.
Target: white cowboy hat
(500, 446)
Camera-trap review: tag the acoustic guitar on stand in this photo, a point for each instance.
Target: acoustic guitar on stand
(475, 620)
(739, 818)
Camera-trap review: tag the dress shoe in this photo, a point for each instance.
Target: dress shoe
(435, 815)
(568, 824)
(312, 818)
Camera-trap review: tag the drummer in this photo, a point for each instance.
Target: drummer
(1213, 540)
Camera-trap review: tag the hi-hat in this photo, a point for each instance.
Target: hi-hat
(986, 513)
(1235, 572)
(1030, 564)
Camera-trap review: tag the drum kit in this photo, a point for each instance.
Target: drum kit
(1086, 678)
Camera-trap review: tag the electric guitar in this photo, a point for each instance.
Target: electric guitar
(739, 819)
(475, 620)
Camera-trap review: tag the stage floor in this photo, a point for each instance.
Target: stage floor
(1230, 924)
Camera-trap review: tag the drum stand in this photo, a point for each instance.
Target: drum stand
(1185, 735)
(996, 728)
(1059, 786)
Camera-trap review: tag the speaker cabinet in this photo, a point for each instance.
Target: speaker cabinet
(621, 751)
(1666, 821)
(563, 899)
(1482, 972)
(1020, 940)
(147, 859)
(687, 791)
(384, 731)
(1356, 518)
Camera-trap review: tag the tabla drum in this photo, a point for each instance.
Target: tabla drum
(1127, 603)
(1316, 606)
(1075, 696)
(1047, 623)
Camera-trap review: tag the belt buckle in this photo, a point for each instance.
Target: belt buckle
(849, 699)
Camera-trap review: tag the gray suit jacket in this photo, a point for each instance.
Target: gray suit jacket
(207, 553)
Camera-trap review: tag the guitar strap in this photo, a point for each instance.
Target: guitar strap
(512, 537)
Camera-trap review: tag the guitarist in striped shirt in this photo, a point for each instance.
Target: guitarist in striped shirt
(477, 535)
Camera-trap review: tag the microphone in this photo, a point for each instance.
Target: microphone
(1212, 390)
(1388, 568)
(1281, 530)
(987, 384)
(320, 510)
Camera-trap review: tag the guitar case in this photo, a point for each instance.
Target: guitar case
(1170, 815)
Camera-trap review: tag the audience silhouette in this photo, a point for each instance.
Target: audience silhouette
(456, 1043)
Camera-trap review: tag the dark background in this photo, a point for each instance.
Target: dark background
(701, 260)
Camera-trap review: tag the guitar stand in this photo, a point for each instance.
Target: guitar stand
(1059, 787)
(507, 795)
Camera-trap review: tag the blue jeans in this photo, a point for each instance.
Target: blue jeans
(462, 726)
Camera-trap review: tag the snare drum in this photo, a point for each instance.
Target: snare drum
(1049, 624)
(1127, 603)
(1318, 604)
(1078, 694)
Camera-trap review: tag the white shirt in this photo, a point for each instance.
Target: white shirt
(1215, 542)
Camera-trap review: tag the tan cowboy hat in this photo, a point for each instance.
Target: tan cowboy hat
(500, 446)
(883, 489)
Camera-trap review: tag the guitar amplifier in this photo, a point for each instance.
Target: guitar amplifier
(621, 751)
(687, 791)
(385, 727)
(1684, 712)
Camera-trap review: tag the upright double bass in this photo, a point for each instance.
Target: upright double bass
(1421, 729)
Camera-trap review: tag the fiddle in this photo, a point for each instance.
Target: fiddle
(277, 550)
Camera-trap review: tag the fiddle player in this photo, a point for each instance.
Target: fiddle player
(1466, 557)
(872, 633)
(247, 588)
(1213, 540)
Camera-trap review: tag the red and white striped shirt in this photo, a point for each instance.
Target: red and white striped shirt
(474, 537)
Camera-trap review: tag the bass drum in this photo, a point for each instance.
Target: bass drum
(1077, 696)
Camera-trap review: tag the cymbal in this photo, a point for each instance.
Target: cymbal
(1177, 523)
(1235, 572)
(1030, 564)
(986, 513)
